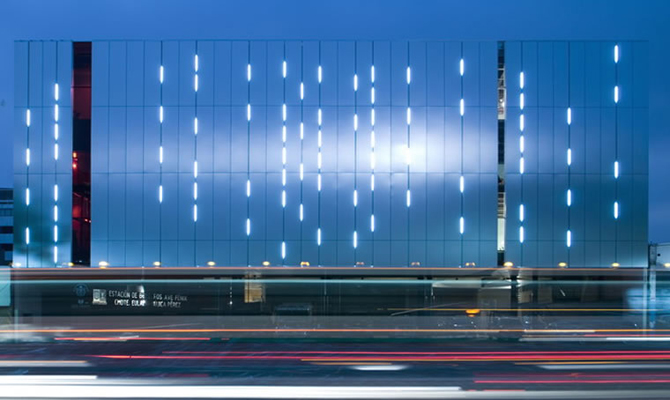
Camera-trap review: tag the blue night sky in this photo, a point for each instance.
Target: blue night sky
(356, 19)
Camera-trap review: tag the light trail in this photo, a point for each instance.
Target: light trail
(332, 330)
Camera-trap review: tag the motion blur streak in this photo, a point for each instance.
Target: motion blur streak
(574, 381)
(303, 392)
(42, 363)
(343, 330)
(218, 392)
(121, 338)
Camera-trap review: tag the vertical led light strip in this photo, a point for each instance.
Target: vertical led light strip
(319, 139)
(408, 156)
(355, 149)
(196, 67)
(248, 183)
(372, 154)
(283, 159)
(616, 151)
(568, 235)
(301, 211)
(461, 181)
(161, 76)
(56, 134)
(522, 145)
(27, 194)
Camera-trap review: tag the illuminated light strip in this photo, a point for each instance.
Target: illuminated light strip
(522, 148)
(301, 207)
(196, 66)
(27, 193)
(161, 78)
(568, 238)
(408, 200)
(319, 160)
(355, 199)
(461, 221)
(55, 188)
(616, 211)
(283, 171)
(248, 183)
(372, 152)
(569, 197)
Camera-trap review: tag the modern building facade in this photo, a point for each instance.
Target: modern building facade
(6, 226)
(333, 153)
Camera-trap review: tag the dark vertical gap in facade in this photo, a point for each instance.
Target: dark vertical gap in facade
(81, 153)
(502, 115)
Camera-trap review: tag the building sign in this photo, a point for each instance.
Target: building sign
(136, 297)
